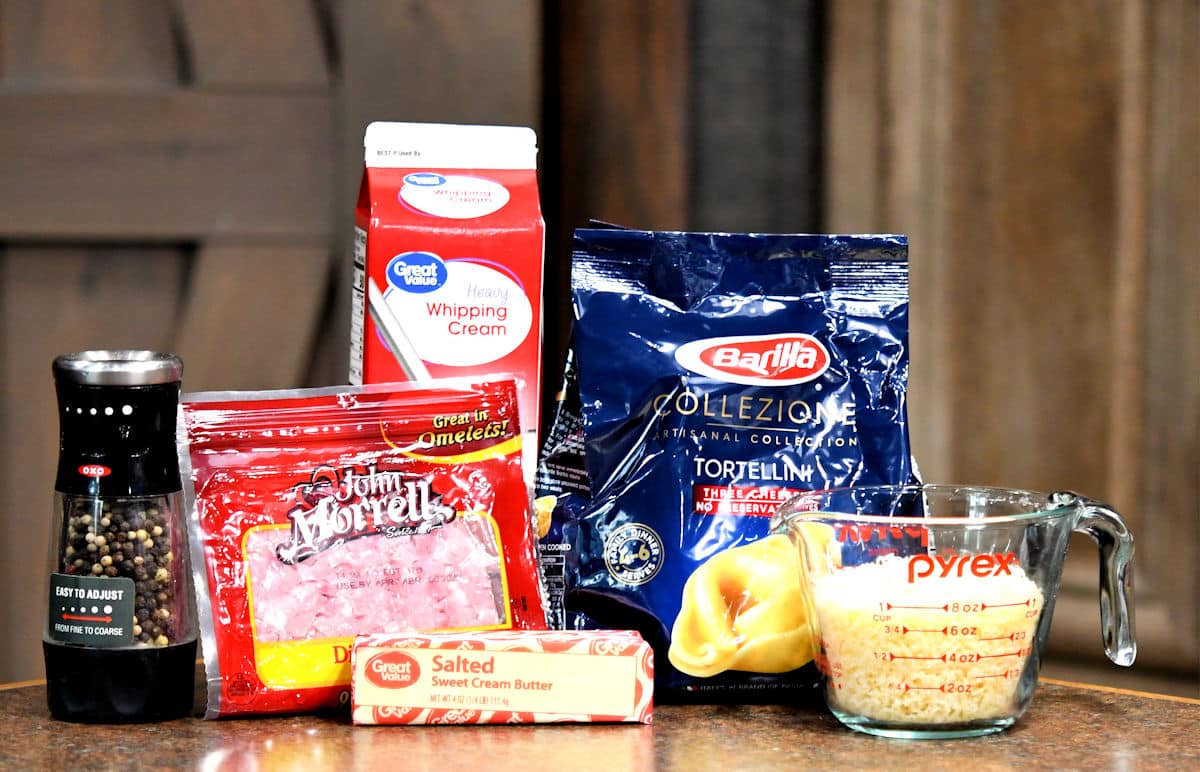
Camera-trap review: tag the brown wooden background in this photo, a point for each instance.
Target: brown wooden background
(180, 175)
(1045, 158)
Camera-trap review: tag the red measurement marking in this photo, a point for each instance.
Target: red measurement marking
(1009, 637)
(1005, 674)
(912, 630)
(946, 607)
(1016, 653)
(923, 688)
(987, 606)
(901, 656)
(87, 619)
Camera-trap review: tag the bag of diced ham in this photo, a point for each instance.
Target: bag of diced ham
(322, 514)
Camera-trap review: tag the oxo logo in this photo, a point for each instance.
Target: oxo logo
(393, 670)
(938, 566)
(756, 360)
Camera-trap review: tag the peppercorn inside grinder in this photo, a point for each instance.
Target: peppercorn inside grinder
(120, 635)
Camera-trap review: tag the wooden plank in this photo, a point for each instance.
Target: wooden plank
(1034, 244)
(853, 185)
(1170, 473)
(57, 300)
(888, 108)
(252, 310)
(1050, 197)
(1031, 227)
(619, 143)
(1155, 404)
(229, 46)
(168, 165)
(458, 61)
(914, 175)
(82, 44)
(756, 126)
(626, 150)
(251, 315)
(1127, 373)
(455, 61)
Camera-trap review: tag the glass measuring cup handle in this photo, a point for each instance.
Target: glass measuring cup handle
(1112, 536)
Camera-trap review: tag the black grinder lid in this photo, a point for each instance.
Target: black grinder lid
(116, 414)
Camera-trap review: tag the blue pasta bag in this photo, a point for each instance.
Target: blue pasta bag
(719, 374)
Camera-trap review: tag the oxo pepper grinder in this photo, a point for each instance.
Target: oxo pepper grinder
(120, 634)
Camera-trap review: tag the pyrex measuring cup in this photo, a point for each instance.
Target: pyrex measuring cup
(931, 604)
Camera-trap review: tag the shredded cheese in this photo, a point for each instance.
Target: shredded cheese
(934, 650)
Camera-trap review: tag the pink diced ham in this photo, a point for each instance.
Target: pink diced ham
(448, 579)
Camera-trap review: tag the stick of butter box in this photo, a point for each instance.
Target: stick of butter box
(502, 677)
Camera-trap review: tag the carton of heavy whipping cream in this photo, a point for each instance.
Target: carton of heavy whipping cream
(502, 677)
(448, 251)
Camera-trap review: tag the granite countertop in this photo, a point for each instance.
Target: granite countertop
(1068, 726)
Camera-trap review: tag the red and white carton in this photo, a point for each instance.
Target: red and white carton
(448, 254)
(502, 677)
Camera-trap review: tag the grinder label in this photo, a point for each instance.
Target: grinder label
(91, 611)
